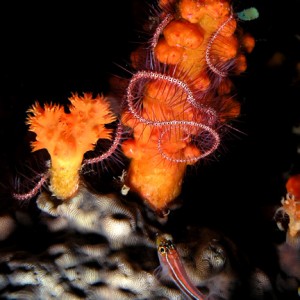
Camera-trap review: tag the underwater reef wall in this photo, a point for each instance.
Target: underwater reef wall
(103, 247)
(134, 196)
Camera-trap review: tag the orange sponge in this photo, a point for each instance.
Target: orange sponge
(176, 106)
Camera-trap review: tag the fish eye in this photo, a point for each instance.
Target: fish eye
(162, 250)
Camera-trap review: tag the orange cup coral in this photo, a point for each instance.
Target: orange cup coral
(67, 136)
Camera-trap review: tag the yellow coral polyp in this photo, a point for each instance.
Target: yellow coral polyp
(67, 136)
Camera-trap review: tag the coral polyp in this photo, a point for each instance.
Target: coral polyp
(177, 104)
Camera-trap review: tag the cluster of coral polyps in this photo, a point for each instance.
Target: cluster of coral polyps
(68, 136)
(178, 102)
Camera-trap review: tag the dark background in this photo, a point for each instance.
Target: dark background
(50, 50)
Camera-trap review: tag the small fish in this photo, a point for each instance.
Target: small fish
(170, 261)
(248, 14)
